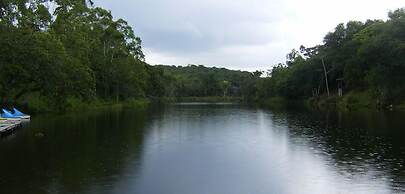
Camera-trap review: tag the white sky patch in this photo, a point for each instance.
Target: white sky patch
(237, 34)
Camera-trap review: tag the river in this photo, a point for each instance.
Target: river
(201, 148)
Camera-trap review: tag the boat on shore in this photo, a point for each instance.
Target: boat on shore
(16, 114)
(12, 120)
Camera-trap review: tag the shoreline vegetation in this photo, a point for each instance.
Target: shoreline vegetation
(78, 105)
(78, 56)
(354, 101)
(205, 99)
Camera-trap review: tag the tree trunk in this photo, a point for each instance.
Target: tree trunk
(326, 78)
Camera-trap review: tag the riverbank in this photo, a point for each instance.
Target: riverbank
(35, 104)
(355, 100)
(208, 99)
(350, 101)
(76, 106)
(281, 102)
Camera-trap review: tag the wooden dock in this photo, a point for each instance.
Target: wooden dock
(9, 126)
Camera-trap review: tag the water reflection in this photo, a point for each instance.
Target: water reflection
(366, 148)
(206, 148)
(78, 154)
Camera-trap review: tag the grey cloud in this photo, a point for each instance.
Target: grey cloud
(238, 34)
(194, 26)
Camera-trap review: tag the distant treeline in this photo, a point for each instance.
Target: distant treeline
(55, 53)
(201, 81)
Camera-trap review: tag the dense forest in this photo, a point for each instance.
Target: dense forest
(55, 54)
(365, 59)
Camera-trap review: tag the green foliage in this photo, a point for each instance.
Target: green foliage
(78, 54)
(357, 100)
(139, 104)
(201, 81)
(73, 56)
(367, 56)
(38, 103)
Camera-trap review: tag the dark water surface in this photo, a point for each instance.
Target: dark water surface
(206, 149)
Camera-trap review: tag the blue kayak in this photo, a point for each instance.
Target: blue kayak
(8, 115)
(16, 115)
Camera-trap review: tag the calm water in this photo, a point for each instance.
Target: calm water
(206, 149)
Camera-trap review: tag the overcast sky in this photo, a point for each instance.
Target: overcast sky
(237, 34)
